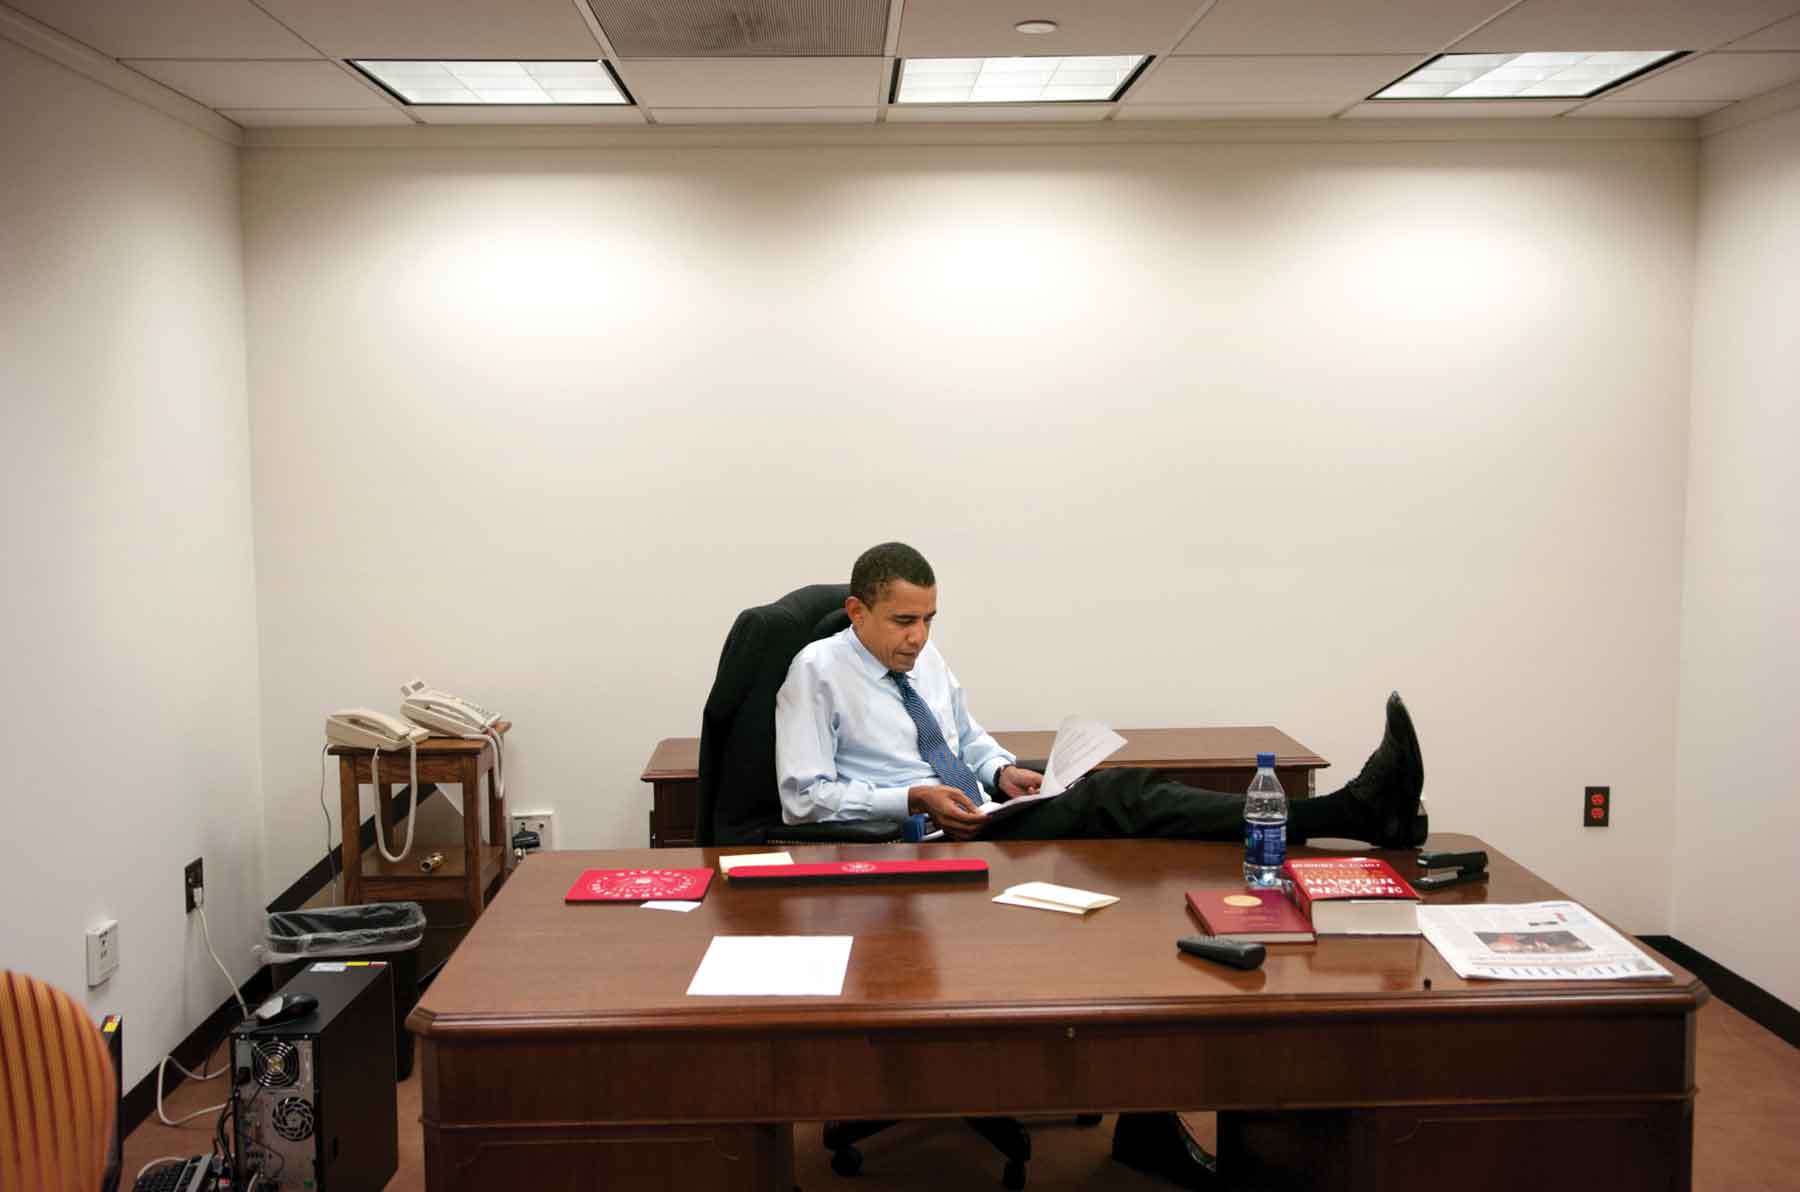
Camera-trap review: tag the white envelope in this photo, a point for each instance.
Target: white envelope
(1045, 896)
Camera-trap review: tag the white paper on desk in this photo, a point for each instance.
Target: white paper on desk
(773, 966)
(727, 864)
(1080, 745)
(1044, 896)
(670, 904)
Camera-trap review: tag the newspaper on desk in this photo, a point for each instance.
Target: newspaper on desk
(1533, 941)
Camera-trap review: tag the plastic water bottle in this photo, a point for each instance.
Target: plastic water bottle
(1265, 825)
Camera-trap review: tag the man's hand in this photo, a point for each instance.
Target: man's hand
(1017, 780)
(949, 808)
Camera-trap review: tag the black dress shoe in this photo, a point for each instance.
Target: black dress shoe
(1159, 1144)
(1388, 786)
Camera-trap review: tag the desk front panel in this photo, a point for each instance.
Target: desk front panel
(954, 1005)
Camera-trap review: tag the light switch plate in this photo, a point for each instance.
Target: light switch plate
(102, 951)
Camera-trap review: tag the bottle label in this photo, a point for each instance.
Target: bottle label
(1265, 844)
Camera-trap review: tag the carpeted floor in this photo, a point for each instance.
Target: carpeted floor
(1744, 1137)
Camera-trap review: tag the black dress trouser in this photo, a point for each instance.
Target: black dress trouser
(1143, 804)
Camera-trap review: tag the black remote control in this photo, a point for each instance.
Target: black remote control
(1241, 956)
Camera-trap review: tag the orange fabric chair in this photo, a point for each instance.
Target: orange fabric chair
(57, 1090)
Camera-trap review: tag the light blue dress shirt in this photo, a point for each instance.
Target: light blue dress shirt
(845, 749)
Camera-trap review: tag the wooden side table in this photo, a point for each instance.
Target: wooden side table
(441, 759)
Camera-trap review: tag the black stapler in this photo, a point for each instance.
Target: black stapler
(1439, 868)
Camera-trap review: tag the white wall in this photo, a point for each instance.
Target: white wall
(1735, 847)
(128, 714)
(1205, 434)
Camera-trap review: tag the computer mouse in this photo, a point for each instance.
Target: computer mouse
(284, 1006)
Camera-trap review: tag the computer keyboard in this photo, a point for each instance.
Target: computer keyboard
(189, 1176)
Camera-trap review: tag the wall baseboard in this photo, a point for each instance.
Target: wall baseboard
(332, 863)
(1747, 998)
(138, 1105)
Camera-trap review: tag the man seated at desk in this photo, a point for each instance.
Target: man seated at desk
(871, 724)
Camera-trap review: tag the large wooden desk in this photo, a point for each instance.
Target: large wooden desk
(560, 1050)
(1211, 758)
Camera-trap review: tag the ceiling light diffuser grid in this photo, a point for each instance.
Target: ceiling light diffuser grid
(1015, 80)
(1574, 74)
(418, 81)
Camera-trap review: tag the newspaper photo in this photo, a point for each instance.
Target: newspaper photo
(1533, 941)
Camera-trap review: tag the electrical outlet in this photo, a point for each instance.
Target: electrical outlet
(102, 951)
(1596, 806)
(540, 822)
(193, 878)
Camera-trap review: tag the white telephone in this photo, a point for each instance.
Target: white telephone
(453, 716)
(365, 728)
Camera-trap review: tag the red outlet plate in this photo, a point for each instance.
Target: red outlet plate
(1596, 807)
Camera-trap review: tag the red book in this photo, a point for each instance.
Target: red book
(1353, 896)
(939, 869)
(1253, 916)
(639, 885)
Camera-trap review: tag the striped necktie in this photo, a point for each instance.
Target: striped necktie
(932, 746)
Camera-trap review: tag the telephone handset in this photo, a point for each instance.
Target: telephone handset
(365, 728)
(455, 717)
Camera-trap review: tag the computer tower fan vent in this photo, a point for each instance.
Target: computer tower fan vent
(293, 1118)
(275, 1064)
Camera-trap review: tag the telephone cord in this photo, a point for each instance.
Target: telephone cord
(330, 860)
(412, 814)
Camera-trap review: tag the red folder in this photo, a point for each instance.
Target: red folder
(939, 869)
(639, 885)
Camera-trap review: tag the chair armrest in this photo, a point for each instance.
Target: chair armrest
(873, 832)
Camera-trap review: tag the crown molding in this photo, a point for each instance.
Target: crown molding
(1749, 111)
(1019, 135)
(46, 42)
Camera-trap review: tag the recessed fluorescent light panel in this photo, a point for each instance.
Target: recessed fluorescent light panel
(492, 82)
(1571, 75)
(1015, 80)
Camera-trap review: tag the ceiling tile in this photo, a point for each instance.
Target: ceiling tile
(439, 28)
(959, 29)
(1340, 27)
(312, 117)
(754, 82)
(1624, 24)
(1718, 76)
(764, 115)
(263, 84)
(1466, 109)
(743, 28)
(999, 113)
(537, 114)
(1655, 109)
(1293, 78)
(169, 28)
(1782, 36)
(1227, 111)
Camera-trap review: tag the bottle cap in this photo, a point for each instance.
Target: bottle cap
(1265, 759)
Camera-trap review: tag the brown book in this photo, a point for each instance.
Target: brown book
(1250, 915)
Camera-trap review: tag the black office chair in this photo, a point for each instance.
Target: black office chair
(740, 801)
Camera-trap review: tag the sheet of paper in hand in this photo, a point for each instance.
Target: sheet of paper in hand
(1080, 745)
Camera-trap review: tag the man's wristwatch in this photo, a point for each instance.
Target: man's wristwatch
(1003, 769)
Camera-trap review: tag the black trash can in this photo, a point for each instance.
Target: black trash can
(386, 931)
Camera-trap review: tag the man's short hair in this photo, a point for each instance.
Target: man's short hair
(881, 565)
